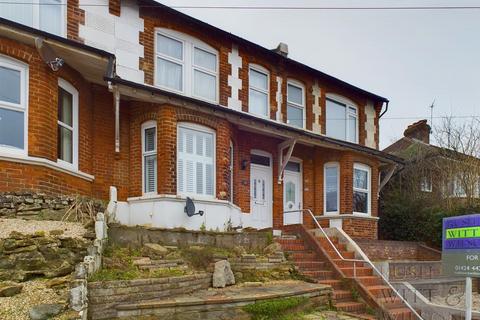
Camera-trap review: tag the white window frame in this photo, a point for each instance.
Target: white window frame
(74, 92)
(13, 64)
(348, 104)
(363, 167)
(36, 16)
(337, 166)
(203, 129)
(189, 44)
(148, 125)
(264, 71)
(298, 85)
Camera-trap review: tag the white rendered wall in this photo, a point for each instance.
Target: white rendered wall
(370, 115)
(279, 99)
(317, 109)
(234, 81)
(168, 212)
(118, 35)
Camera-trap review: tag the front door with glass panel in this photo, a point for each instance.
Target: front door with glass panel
(292, 193)
(261, 191)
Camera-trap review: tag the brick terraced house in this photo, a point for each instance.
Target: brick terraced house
(161, 106)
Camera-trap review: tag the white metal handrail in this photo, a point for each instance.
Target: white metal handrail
(357, 260)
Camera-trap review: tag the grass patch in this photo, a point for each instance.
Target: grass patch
(121, 267)
(275, 309)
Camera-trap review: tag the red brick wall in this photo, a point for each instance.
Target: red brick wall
(75, 18)
(360, 228)
(398, 250)
(157, 18)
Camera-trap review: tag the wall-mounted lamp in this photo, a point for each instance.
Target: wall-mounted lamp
(244, 164)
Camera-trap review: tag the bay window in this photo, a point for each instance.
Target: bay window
(258, 93)
(67, 125)
(195, 161)
(13, 106)
(331, 188)
(186, 65)
(295, 104)
(45, 15)
(342, 119)
(149, 157)
(361, 188)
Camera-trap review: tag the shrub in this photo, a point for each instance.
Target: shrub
(274, 309)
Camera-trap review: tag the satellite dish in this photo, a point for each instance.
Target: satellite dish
(190, 208)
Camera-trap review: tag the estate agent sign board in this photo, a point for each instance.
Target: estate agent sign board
(461, 252)
(461, 246)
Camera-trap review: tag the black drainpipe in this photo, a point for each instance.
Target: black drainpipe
(386, 109)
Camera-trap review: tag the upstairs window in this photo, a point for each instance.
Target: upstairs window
(46, 15)
(149, 157)
(342, 120)
(195, 161)
(426, 184)
(186, 65)
(13, 106)
(361, 189)
(295, 104)
(258, 93)
(67, 124)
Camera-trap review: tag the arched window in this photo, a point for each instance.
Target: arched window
(342, 118)
(149, 157)
(195, 160)
(331, 194)
(13, 106)
(295, 104)
(361, 189)
(186, 65)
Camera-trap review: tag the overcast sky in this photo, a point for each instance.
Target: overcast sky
(411, 57)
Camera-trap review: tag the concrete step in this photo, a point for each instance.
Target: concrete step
(342, 295)
(303, 256)
(336, 284)
(381, 291)
(310, 265)
(358, 271)
(370, 280)
(350, 306)
(342, 263)
(319, 274)
(345, 254)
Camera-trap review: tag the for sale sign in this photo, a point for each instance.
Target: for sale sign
(461, 246)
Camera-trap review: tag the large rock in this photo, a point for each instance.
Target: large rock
(223, 275)
(45, 311)
(8, 289)
(154, 250)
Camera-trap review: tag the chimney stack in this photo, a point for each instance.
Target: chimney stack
(282, 49)
(419, 130)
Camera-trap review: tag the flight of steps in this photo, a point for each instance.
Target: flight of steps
(313, 266)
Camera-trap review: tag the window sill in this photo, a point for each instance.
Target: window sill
(22, 158)
(179, 198)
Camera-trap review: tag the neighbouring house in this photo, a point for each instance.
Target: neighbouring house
(439, 173)
(161, 106)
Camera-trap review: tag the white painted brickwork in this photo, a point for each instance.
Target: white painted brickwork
(279, 98)
(234, 81)
(317, 110)
(370, 125)
(118, 35)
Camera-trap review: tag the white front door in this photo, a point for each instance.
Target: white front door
(292, 193)
(261, 195)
